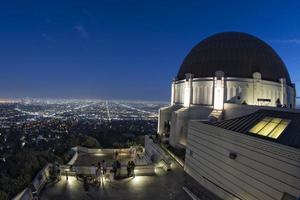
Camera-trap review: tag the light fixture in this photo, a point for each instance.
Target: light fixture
(219, 90)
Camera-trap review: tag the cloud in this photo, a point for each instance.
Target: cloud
(48, 37)
(86, 12)
(82, 31)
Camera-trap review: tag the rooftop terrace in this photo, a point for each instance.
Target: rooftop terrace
(163, 185)
(156, 177)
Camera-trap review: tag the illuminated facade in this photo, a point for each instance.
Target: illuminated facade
(232, 110)
(233, 68)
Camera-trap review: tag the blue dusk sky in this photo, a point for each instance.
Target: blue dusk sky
(126, 49)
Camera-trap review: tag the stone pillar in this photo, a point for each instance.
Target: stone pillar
(219, 90)
(173, 93)
(293, 96)
(188, 90)
(283, 92)
(256, 87)
(159, 123)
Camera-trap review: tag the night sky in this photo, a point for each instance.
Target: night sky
(125, 49)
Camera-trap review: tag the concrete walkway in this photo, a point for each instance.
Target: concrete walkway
(165, 185)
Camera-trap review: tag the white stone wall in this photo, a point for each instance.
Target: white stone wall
(179, 92)
(237, 90)
(180, 119)
(262, 170)
(202, 92)
(154, 153)
(179, 122)
(249, 91)
(291, 94)
(164, 115)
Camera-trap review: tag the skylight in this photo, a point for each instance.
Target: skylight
(270, 127)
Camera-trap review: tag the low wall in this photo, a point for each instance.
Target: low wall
(37, 184)
(140, 170)
(144, 170)
(104, 151)
(26, 194)
(74, 158)
(155, 154)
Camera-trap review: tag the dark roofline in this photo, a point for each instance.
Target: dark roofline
(238, 54)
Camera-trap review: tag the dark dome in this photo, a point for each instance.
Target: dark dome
(237, 54)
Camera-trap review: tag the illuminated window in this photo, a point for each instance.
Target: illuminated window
(270, 127)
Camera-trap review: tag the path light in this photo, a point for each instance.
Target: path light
(71, 180)
(99, 154)
(66, 172)
(137, 180)
(140, 180)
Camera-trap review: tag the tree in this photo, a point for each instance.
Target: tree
(3, 195)
(90, 142)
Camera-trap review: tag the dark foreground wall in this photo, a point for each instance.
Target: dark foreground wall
(198, 190)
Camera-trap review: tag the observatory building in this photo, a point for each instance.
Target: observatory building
(233, 112)
(234, 68)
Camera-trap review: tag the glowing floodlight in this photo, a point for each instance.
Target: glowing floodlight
(137, 180)
(188, 90)
(71, 181)
(219, 91)
(173, 93)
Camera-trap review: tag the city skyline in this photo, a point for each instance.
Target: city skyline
(125, 50)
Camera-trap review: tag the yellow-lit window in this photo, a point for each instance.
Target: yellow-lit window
(258, 126)
(265, 131)
(270, 127)
(279, 129)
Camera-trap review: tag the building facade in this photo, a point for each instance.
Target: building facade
(230, 165)
(233, 111)
(227, 67)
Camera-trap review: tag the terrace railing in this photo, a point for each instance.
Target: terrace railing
(36, 185)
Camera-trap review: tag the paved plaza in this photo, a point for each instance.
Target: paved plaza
(164, 185)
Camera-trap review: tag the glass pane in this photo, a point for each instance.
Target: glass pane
(277, 131)
(267, 119)
(285, 121)
(270, 127)
(276, 120)
(258, 127)
(267, 129)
